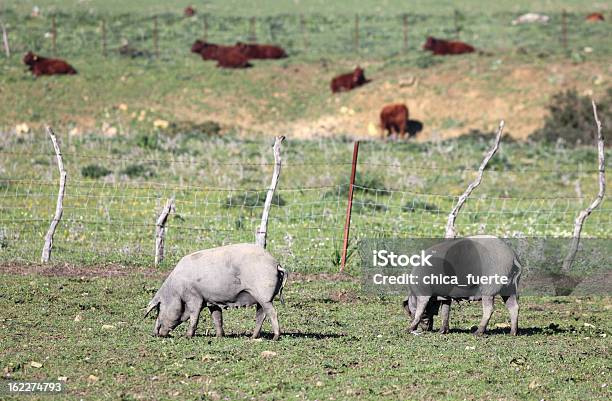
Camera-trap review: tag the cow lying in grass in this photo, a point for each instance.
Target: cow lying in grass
(226, 56)
(47, 66)
(441, 47)
(349, 81)
(262, 52)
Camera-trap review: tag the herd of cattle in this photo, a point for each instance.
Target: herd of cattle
(393, 117)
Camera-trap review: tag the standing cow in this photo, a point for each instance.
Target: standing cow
(349, 81)
(47, 66)
(394, 120)
(441, 47)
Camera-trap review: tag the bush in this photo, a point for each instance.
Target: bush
(571, 118)
(94, 171)
(138, 170)
(252, 199)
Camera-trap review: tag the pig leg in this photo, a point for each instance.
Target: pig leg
(260, 315)
(217, 317)
(271, 313)
(513, 307)
(487, 311)
(445, 314)
(422, 301)
(193, 309)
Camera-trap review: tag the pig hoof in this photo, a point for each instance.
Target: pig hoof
(444, 330)
(275, 338)
(479, 333)
(513, 333)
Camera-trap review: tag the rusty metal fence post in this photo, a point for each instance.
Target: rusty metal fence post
(349, 207)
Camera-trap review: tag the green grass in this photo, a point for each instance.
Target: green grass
(337, 344)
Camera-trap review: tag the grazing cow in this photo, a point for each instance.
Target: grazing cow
(255, 51)
(595, 17)
(394, 119)
(346, 82)
(46, 66)
(443, 47)
(189, 11)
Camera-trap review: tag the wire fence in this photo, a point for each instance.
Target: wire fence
(318, 35)
(112, 219)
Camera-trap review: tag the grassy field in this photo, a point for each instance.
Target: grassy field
(137, 131)
(338, 344)
(403, 190)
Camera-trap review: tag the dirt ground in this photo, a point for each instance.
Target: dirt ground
(450, 100)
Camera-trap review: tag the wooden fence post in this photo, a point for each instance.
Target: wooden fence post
(5, 40)
(564, 29)
(303, 30)
(601, 155)
(252, 31)
(205, 26)
(405, 25)
(160, 231)
(155, 37)
(349, 207)
(103, 30)
(262, 232)
(450, 224)
(59, 208)
(53, 35)
(356, 34)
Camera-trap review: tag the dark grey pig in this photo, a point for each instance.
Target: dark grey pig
(491, 256)
(228, 276)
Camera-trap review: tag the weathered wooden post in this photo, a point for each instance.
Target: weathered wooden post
(601, 155)
(564, 29)
(262, 232)
(53, 35)
(5, 40)
(160, 231)
(205, 27)
(252, 30)
(405, 25)
(303, 31)
(356, 34)
(349, 207)
(59, 208)
(103, 31)
(450, 224)
(155, 37)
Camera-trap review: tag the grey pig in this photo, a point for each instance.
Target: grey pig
(228, 276)
(495, 257)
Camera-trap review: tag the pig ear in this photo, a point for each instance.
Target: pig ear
(150, 308)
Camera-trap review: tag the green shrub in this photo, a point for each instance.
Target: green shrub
(94, 171)
(252, 199)
(571, 118)
(138, 170)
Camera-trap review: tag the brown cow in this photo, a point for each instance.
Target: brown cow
(47, 66)
(255, 51)
(443, 47)
(226, 56)
(394, 119)
(351, 80)
(230, 57)
(189, 11)
(595, 17)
